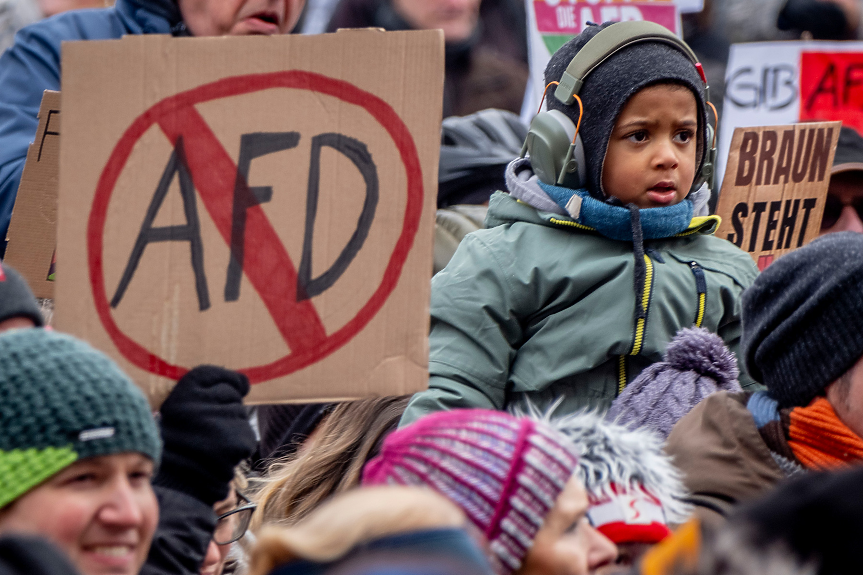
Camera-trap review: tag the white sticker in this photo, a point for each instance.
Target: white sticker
(573, 206)
(98, 433)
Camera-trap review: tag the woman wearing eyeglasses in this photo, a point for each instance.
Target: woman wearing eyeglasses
(234, 513)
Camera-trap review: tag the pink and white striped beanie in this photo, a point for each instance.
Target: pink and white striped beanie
(504, 472)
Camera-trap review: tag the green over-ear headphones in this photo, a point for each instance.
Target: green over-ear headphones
(555, 148)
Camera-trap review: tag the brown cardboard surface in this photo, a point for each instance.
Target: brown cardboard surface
(33, 230)
(360, 111)
(775, 186)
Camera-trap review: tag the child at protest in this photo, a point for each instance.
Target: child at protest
(577, 286)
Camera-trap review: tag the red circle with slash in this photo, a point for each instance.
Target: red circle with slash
(177, 117)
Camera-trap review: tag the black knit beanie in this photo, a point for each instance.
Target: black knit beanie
(801, 318)
(16, 299)
(610, 86)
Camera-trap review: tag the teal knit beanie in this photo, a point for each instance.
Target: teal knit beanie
(61, 401)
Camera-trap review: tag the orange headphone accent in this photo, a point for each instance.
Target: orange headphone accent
(580, 115)
(544, 93)
(716, 122)
(580, 109)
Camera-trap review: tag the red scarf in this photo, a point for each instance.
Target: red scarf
(820, 440)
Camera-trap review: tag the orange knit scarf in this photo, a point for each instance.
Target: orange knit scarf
(820, 440)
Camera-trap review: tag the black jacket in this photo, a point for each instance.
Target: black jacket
(184, 532)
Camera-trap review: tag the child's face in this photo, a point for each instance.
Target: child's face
(650, 161)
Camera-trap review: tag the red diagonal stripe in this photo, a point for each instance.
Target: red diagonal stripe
(266, 262)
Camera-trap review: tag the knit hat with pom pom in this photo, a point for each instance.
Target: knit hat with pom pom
(696, 364)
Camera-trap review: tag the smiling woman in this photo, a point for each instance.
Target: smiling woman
(101, 511)
(77, 449)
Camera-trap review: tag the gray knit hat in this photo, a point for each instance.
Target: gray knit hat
(610, 86)
(61, 401)
(696, 364)
(16, 299)
(801, 318)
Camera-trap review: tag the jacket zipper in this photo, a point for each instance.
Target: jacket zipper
(640, 325)
(701, 289)
(570, 224)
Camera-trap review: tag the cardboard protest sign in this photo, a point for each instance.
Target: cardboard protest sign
(262, 203)
(33, 230)
(775, 187)
(551, 23)
(772, 83)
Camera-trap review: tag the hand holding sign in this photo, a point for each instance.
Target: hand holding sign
(206, 433)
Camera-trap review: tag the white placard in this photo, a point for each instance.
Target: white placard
(762, 87)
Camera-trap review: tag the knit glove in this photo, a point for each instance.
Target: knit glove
(205, 432)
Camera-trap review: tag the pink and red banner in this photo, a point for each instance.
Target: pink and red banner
(563, 17)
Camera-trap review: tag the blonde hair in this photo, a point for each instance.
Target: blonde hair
(329, 462)
(350, 519)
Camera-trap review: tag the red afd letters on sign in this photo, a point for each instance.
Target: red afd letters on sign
(831, 87)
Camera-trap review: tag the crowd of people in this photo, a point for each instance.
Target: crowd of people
(613, 389)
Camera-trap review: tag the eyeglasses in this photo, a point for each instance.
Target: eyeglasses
(833, 210)
(232, 525)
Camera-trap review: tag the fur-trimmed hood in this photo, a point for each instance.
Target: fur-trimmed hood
(612, 454)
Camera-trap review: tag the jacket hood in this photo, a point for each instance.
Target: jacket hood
(523, 185)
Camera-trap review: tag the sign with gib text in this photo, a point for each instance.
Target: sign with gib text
(775, 187)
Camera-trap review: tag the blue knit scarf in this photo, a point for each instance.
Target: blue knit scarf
(615, 222)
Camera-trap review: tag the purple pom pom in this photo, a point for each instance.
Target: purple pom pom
(703, 352)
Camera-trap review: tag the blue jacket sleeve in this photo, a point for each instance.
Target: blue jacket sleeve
(29, 67)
